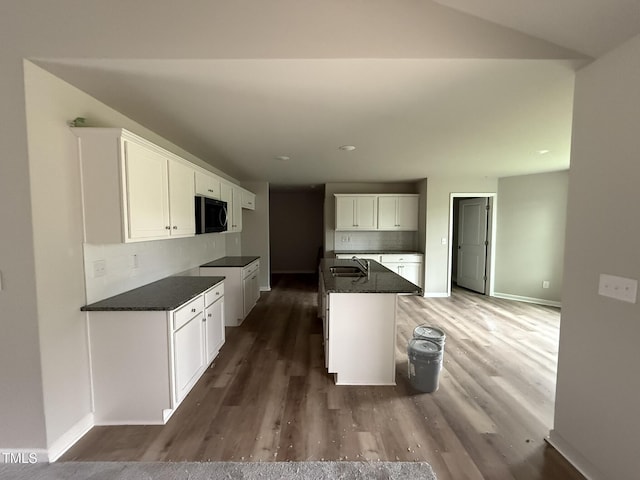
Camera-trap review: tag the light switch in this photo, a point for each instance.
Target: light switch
(620, 288)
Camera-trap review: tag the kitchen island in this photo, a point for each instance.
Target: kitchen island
(357, 302)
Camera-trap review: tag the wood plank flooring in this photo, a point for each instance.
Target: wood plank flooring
(267, 397)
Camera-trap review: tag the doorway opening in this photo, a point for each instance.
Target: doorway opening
(472, 219)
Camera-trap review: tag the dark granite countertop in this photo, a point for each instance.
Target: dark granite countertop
(380, 279)
(166, 294)
(378, 252)
(231, 262)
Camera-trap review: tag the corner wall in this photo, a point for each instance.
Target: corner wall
(530, 236)
(439, 192)
(255, 230)
(598, 389)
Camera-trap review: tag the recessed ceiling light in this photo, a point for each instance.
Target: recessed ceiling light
(543, 152)
(283, 158)
(347, 148)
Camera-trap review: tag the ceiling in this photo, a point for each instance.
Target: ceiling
(409, 118)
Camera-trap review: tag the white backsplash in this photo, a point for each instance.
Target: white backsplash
(155, 260)
(359, 241)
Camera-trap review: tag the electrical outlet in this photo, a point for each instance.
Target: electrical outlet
(133, 261)
(545, 284)
(99, 268)
(620, 288)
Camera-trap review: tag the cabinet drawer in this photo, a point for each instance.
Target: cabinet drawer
(189, 310)
(401, 258)
(248, 270)
(213, 294)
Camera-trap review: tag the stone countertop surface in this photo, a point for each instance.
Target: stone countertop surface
(378, 252)
(166, 294)
(231, 262)
(379, 280)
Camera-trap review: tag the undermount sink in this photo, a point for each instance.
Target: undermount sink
(347, 272)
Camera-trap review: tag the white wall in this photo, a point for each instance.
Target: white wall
(255, 230)
(598, 389)
(21, 400)
(530, 236)
(439, 190)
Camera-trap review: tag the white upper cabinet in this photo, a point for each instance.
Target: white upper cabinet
(236, 209)
(207, 185)
(146, 194)
(356, 212)
(248, 200)
(135, 191)
(398, 212)
(233, 196)
(181, 204)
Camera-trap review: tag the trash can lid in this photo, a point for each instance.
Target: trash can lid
(424, 348)
(428, 332)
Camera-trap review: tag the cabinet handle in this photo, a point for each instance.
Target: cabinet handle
(209, 315)
(204, 319)
(217, 293)
(167, 227)
(193, 310)
(175, 227)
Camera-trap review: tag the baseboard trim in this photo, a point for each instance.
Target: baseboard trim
(23, 456)
(265, 289)
(580, 463)
(436, 294)
(519, 298)
(70, 437)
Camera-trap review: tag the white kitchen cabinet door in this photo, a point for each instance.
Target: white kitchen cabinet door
(408, 271)
(181, 204)
(248, 200)
(207, 185)
(147, 195)
(250, 291)
(236, 207)
(356, 212)
(214, 329)
(398, 212)
(233, 197)
(188, 356)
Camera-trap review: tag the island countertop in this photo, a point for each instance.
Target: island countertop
(241, 261)
(379, 280)
(166, 294)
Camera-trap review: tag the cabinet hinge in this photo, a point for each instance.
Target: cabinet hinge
(486, 208)
(486, 243)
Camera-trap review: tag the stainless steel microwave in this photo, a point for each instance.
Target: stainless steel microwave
(211, 215)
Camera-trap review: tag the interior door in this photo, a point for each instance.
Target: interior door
(472, 243)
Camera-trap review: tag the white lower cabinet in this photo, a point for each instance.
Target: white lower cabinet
(242, 290)
(407, 265)
(188, 356)
(144, 363)
(214, 324)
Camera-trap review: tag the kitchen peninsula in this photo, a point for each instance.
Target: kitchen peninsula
(357, 303)
(149, 346)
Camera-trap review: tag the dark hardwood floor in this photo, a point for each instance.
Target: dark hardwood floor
(267, 397)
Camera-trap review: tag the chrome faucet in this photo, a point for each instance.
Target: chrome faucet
(363, 263)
